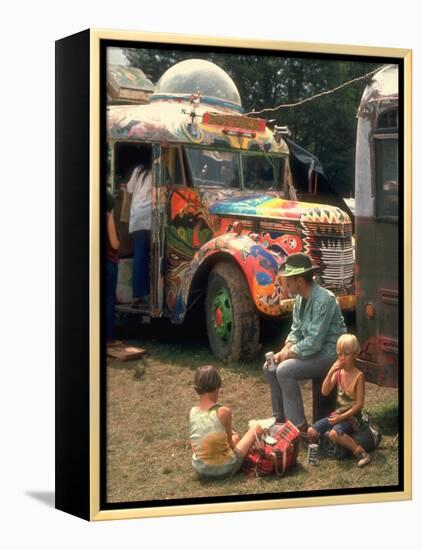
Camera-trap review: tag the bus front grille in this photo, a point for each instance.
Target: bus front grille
(333, 253)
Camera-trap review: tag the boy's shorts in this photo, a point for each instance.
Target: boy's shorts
(322, 426)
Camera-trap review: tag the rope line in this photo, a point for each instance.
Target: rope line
(327, 92)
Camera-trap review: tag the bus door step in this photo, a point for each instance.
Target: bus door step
(143, 311)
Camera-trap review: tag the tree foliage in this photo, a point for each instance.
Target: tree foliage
(325, 126)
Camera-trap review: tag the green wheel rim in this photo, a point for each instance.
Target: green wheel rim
(222, 315)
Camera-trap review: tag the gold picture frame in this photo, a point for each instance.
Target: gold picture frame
(79, 386)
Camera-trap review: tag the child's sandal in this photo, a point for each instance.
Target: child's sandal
(363, 458)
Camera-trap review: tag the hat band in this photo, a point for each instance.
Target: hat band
(294, 270)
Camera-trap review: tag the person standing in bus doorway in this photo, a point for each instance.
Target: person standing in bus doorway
(310, 347)
(112, 258)
(140, 187)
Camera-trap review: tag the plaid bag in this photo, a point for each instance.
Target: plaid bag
(266, 459)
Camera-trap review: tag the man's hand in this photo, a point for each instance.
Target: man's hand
(280, 356)
(284, 353)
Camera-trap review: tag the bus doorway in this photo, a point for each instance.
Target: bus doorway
(128, 160)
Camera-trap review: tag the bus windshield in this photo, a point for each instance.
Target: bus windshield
(213, 168)
(262, 172)
(221, 169)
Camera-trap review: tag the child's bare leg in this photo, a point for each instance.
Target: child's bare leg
(345, 441)
(247, 440)
(312, 435)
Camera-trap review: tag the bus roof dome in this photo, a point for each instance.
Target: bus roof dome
(193, 75)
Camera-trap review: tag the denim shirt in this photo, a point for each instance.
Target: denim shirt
(319, 326)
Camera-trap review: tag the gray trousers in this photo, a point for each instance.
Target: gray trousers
(286, 396)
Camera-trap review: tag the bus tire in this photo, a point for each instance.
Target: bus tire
(231, 317)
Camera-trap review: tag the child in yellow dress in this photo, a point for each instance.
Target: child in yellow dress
(217, 450)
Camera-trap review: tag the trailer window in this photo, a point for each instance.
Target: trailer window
(213, 168)
(389, 119)
(387, 164)
(387, 179)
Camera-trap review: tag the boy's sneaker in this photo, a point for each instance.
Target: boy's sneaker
(363, 458)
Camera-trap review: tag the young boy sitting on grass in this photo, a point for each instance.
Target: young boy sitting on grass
(344, 421)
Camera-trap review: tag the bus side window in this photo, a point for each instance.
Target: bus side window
(172, 171)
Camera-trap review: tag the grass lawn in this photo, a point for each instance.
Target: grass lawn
(148, 402)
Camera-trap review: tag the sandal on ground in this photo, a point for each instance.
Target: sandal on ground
(363, 458)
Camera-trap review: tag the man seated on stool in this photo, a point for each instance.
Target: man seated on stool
(310, 347)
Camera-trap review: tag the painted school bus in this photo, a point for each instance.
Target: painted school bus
(225, 210)
(377, 231)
